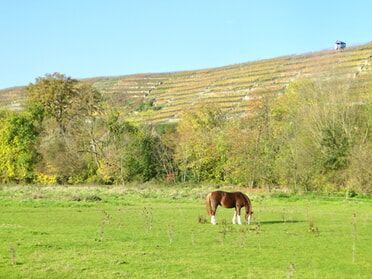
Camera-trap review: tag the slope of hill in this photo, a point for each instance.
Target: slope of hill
(159, 98)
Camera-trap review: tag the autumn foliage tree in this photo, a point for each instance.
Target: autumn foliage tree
(19, 134)
(56, 94)
(199, 151)
(70, 109)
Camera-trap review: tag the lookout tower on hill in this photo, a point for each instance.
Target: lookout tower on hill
(339, 45)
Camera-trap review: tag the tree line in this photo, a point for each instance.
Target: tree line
(316, 136)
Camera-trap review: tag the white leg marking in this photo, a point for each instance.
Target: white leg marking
(249, 220)
(234, 218)
(239, 220)
(213, 220)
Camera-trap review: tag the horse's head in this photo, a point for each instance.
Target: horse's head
(248, 217)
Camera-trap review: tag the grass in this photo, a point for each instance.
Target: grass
(101, 232)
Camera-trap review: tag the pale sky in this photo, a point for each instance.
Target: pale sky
(89, 38)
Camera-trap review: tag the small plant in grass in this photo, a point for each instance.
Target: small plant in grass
(257, 229)
(105, 221)
(13, 255)
(292, 270)
(354, 229)
(283, 216)
(170, 233)
(242, 237)
(148, 218)
(312, 228)
(224, 230)
(202, 219)
(193, 237)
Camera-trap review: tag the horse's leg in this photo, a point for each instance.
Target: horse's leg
(238, 213)
(213, 216)
(234, 218)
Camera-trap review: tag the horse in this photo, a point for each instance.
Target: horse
(235, 200)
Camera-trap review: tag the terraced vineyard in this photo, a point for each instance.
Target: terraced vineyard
(236, 88)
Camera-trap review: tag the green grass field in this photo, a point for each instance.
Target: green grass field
(117, 232)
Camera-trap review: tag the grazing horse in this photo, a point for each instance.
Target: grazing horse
(235, 200)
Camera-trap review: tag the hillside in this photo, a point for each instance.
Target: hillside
(159, 98)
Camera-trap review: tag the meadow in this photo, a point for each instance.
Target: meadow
(164, 232)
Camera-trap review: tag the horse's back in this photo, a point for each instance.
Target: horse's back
(228, 199)
(216, 195)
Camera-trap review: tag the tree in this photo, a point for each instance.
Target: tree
(71, 109)
(251, 150)
(19, 134)
(111, 147)
(56, 94)
(139, 158)
(240, 139)
(128, 152)
(292, 166)
(321, 130)
(164, 151)
(199, 152)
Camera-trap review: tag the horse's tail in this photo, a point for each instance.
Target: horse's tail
(208, 204)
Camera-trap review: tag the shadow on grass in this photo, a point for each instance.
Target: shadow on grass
(281, 222)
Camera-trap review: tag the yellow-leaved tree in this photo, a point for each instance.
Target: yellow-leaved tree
(200, 153)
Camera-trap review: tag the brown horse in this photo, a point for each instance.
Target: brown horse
(235, 200)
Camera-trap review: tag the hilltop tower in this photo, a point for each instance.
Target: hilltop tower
(339, 45)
